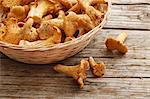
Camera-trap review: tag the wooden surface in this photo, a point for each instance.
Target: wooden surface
(127, 77)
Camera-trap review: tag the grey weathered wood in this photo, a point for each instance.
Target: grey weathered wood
(29, 87)
(121, 67)
(129, 16)
(130, 1)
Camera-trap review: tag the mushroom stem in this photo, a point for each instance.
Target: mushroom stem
(122, 37)
(78, 72)
(97, 69)
(92, 61)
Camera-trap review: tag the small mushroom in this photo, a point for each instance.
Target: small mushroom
(39, 8)
(98, 69)
(117, 44)
(78, 72)
(9, 31)
(28, 31)
(19, 12)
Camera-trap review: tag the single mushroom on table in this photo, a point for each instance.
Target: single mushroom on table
(78, 72)
(98, 69)
(117, 44)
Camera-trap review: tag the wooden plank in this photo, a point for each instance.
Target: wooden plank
(130, 1)
(103, 53)
(137, 40)
(129, 17)
(115, 68)
(29, 87)
(134, 64)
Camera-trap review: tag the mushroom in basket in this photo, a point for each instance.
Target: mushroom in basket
(39, 8)
(53, 39)
(10, 31)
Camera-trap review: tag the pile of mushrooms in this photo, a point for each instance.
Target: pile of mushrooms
(41, 23)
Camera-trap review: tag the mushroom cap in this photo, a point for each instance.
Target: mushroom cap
(113, 44)
(99, 70)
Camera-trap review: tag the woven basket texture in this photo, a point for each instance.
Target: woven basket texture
(54, 53)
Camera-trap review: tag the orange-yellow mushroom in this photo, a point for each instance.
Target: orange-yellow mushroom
(117, 44)
(19, 12)
(98, 69)
(78, 72)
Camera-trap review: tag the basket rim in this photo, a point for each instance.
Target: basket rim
(61, 45)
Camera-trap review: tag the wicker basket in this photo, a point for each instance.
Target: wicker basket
(55, 52)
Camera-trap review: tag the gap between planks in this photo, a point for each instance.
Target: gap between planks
(106, 87)
(114, 68)
(130, 1)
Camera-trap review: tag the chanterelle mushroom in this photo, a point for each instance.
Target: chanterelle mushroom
(93, 13)
(54, 39)
(98, 69)
(74, 22)
(19, 12)
(10, 31)
(117, 44)
(78, 72)
(28, 31)
(39, 8)
(85, 6)
(45, 30)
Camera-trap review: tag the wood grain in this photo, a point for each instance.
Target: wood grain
(58, 88)
(127, 76)
(136, 63)
(114, 68)
(130, 1)
(129, 17)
